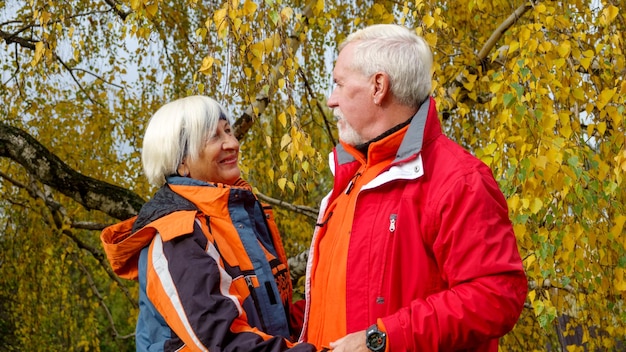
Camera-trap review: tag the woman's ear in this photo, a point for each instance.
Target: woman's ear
(183, 169)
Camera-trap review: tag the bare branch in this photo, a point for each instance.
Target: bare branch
(13, 38)
(300, 209)
(96, 293)
(80, 86)
(319, 106)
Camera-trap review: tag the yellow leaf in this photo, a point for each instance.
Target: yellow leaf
(586, 62)
(536, 205)
(564, 49)
(318, 7)
(134, 4)
(428, 20)
(524, 34)
(548, 122)
(152, 10)
(618, 282)
(249, 7)
(257, 49)
(286, 13)
(532, 294)
(609, 14)
(540, 8)
(39, 50)
(282, 182)
(579, 94)
(605, 97)
(495, 87)
(282, 118)
(618, 229)
(566, 131)
(540, 161)
(490, 149)
(569, 241)
(219, 18)
(207, 63)
(513, 203)
(525, 203)
(558, 63)
(285, 141)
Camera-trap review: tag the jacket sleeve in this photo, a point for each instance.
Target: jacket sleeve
(476, 251)
(200, 301)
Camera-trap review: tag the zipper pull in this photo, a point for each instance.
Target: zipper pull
(352, 182)
(249, 282)
(392, 222)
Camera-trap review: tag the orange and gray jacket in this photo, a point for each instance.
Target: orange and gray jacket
(212, 271)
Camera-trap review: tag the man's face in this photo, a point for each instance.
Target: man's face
(352, 101)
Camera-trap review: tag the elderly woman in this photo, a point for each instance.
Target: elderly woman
(212, 271)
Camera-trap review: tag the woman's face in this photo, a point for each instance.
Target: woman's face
(218, 160)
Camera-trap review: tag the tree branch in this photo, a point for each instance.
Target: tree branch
(502, 28)
(456, 85)
(59, 217)
(300, 209)
(96, 293)
(47, 168)
(117, 8)
(319, 106)
(13, 38)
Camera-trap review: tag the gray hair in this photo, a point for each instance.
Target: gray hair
(399, 52)
(178, 129)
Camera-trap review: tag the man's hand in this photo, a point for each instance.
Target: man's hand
(354, 342)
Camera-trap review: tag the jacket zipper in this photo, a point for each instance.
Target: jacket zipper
(392, 228)
(255, 301)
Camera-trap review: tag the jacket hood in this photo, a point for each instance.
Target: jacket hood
(124, 241)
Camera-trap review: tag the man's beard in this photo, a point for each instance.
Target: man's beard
(346, 132)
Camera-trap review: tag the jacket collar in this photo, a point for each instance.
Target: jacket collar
(424, 127)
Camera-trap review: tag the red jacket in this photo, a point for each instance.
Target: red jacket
(432, 256)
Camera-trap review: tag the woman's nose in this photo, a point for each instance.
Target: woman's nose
(230, 143)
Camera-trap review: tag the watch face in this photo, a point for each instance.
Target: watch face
(375, 340)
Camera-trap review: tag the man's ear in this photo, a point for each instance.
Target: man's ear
(381, 87)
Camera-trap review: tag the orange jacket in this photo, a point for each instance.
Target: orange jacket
(211, 268)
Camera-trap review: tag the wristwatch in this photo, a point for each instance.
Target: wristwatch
(375, 339)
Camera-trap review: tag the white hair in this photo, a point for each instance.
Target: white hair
(178, 129)
(399, 52)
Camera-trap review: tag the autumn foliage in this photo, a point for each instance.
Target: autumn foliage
(536, 89)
